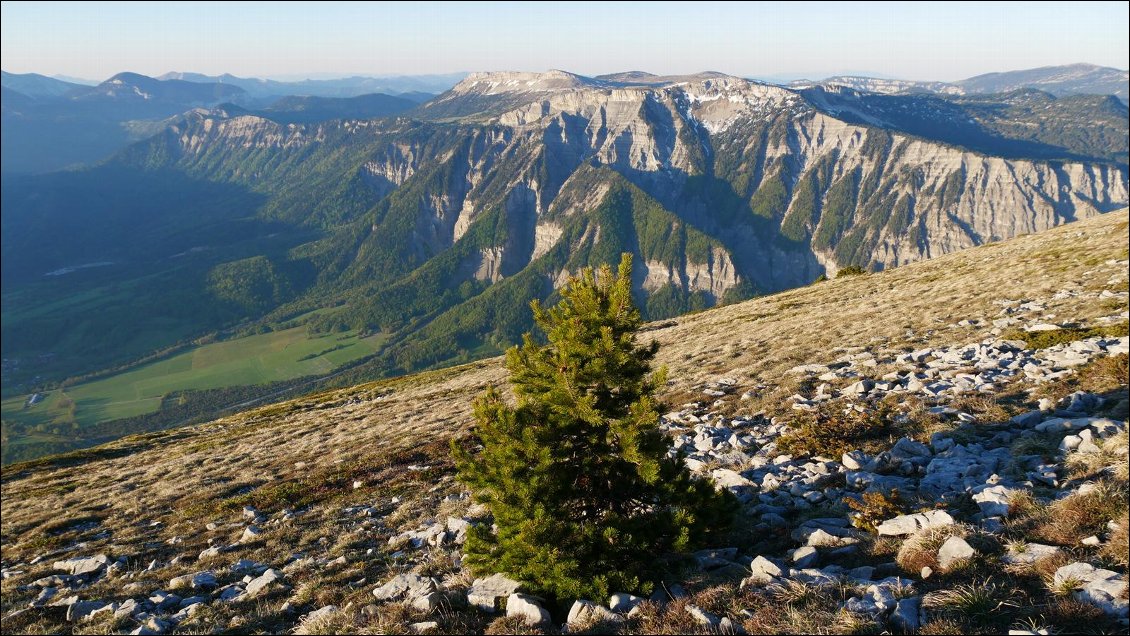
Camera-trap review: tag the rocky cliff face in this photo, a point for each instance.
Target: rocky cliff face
(823, 192)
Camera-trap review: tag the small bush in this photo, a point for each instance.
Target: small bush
(850, 270)
(872, 508)
(831, 433)
(1045, 339)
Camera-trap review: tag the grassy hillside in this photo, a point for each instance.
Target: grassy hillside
(150, 496)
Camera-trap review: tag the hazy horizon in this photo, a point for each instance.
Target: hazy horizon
(937, 42)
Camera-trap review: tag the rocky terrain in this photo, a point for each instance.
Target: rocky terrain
(938, 448)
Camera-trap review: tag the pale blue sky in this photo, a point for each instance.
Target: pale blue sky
(940, 41)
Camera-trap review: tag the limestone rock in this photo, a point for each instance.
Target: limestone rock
(528, 608)
(486, 593)
(954, 551)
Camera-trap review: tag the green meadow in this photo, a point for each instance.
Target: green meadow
(257, 359)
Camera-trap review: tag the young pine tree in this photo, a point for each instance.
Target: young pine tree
(585, 500)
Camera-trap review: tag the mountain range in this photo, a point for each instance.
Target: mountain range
(435, 228)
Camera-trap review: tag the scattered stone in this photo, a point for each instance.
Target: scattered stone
(994, 500)
(429, 602)
(81, 609)
(624, 603)
(1028, 553)
(701, 616)
(764, 571)
(903, 525)
(251, 533)
(587, 613)
(405, 585)
(906, 615)
(318, 615)
(805, 556)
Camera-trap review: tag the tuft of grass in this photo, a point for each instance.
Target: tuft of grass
(921, 548)
(513, 625)
(1069, 520)
(978, 602)
(1117, 547)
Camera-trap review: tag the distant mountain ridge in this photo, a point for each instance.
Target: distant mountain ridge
(342, 87)
(36, 85)
(1070, 79)
(51, 125)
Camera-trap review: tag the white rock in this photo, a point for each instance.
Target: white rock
(764, 570)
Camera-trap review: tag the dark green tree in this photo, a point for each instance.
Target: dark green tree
(585, 499)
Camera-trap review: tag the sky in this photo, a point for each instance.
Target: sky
(772, 40)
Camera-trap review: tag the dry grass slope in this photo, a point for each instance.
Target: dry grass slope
(132, 497)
